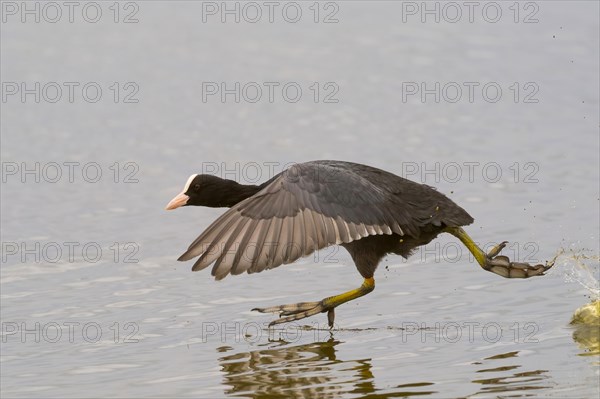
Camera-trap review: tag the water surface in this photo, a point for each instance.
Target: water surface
(134, 322)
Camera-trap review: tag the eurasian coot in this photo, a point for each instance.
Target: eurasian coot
(312, 205)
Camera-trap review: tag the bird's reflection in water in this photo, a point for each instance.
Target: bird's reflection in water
(305, 371)
(509, 383)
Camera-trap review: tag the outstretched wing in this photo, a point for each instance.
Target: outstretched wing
(306, 208)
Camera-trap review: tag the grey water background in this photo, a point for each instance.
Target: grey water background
(143, 325)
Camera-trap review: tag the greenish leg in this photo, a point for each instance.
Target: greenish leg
(499, 264)
(298, 311)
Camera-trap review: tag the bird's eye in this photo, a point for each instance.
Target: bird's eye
(196, 187)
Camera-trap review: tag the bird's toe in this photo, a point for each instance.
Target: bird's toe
(288, 309)
(496, 249)
(502, 266)
(297, 311)
(298, 315)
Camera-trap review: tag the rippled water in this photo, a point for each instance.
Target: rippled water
(123, 318)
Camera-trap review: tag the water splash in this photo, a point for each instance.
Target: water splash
(582, 267)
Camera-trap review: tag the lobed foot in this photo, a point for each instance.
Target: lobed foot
(502, 266)
(299, 311)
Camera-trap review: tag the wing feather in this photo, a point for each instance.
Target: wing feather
(224, 263)
(242, 260)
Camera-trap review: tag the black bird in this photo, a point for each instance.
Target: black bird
(312, 205)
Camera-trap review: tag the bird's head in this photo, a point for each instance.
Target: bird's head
(198, 190)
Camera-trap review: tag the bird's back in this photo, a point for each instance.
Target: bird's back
(425, 204)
